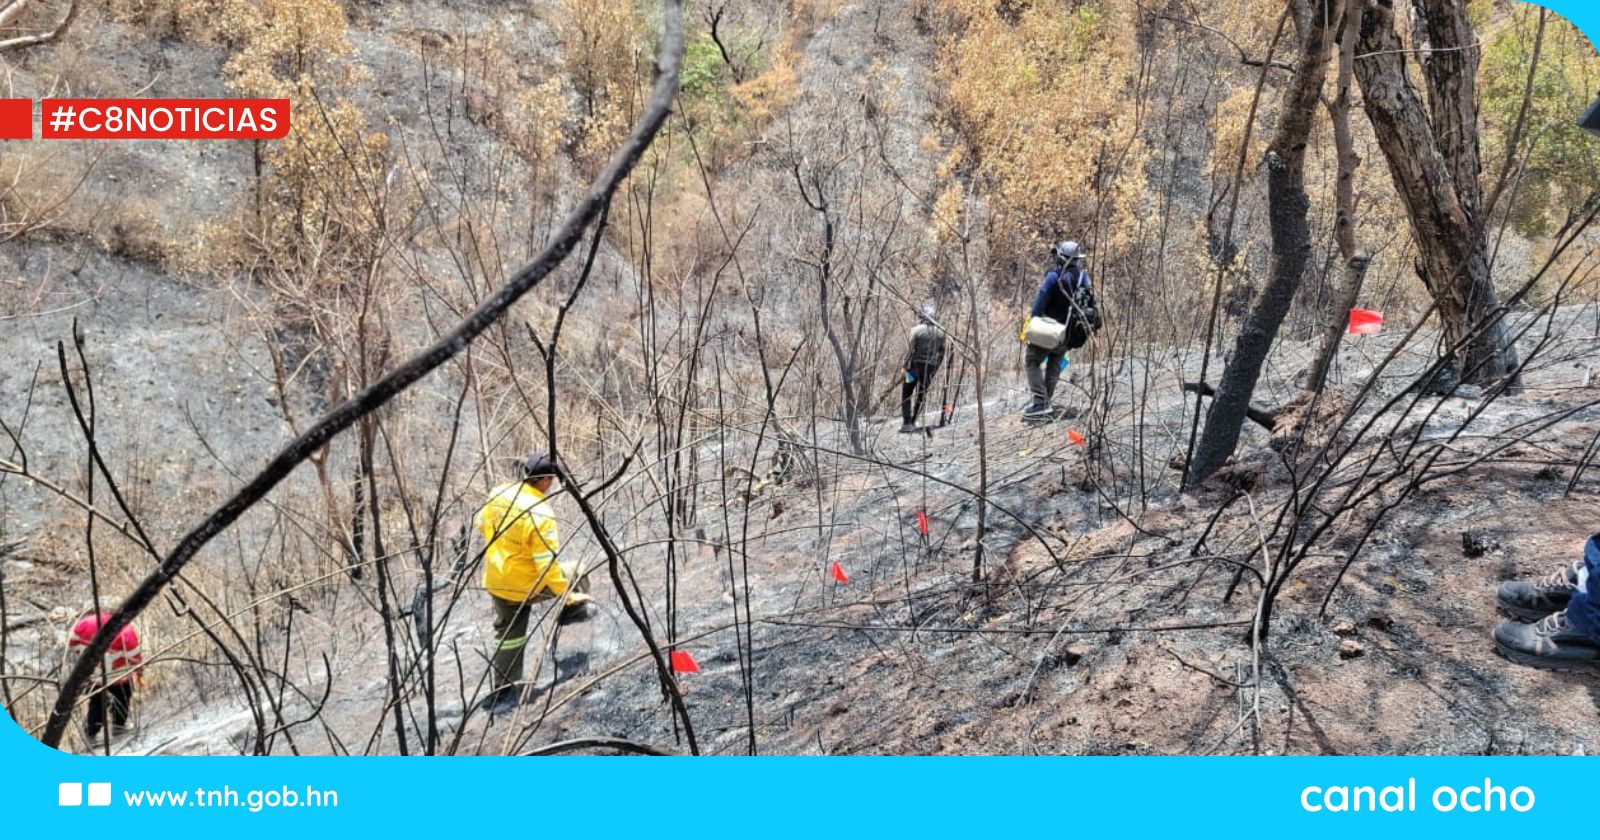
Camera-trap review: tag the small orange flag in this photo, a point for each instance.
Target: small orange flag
(838, 573)
(922, 523)
(1072, 435)
(683, 663)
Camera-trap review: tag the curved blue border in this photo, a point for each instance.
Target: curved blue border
(1584, 14)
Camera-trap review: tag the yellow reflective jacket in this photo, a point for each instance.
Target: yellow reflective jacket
(520, 531)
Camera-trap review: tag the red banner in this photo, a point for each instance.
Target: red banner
(164, 119)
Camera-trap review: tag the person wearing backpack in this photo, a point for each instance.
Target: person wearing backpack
(1064, 297)
(923, 359)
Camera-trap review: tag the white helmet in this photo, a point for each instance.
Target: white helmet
(1068, 250)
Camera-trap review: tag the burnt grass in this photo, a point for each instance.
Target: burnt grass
(1070, 654)
(1095, 629)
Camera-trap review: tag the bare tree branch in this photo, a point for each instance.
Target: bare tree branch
(39, 37)
(385, 389)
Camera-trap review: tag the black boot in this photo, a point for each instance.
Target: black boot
(1534, 600)
(501, 700)
(1549, 643)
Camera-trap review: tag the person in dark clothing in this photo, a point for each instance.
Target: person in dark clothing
(1064, 296)
(922, 363)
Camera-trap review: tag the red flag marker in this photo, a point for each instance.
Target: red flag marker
(838, 573)
(922, 523)
(1365, 322)
(1072, 435)
(683, 663)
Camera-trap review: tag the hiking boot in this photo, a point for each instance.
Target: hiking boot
(1534, 600)
(1037, 411)
(1549, 643)
(908, 428)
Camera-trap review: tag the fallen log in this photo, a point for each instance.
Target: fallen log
(1262, 417)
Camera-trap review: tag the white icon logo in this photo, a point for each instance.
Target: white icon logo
(70, 794)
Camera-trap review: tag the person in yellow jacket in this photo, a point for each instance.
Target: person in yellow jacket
(521, 566)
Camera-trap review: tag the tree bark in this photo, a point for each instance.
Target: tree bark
(1266, 418)
(1344, 226)
(1291, 248)
(1449, 53)
(1435, 166)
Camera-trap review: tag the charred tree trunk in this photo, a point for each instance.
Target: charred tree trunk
(847, 360)
(1291, 249)
(1433, 158)
(1344, 192)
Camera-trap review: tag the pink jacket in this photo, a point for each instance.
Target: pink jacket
(122, 660)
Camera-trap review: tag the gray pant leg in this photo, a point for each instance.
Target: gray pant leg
(1044, 369)
(1030, 362)
(1052, 374)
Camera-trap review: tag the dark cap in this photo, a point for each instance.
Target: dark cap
(536, 466)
